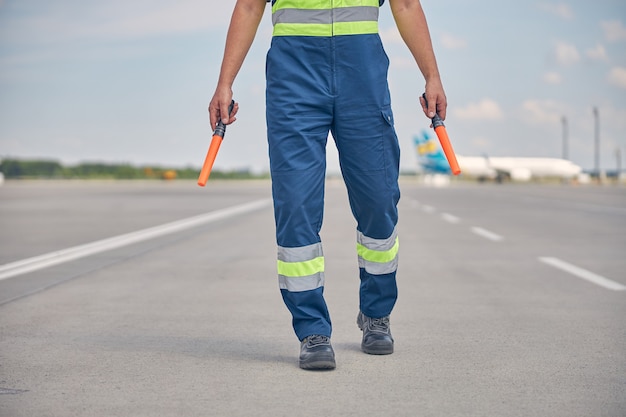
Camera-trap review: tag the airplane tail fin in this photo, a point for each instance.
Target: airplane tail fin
(425, 145)
(421, 142)
(429, 155)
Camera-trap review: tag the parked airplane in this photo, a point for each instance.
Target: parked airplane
(433, 161)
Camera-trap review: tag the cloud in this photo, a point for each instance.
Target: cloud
(115, 20)
(552, 77)
(486, 109)
(541, 111)
(480, 142)
(391, 35)
(566, 54)
(614, 30)
(617, 77)
(452, 42)
(597, 54)
(402, 62)
(561, 10)
(617, 116)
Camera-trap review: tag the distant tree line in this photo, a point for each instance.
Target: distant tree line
(49, 169)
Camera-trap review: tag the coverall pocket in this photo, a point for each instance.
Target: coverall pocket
(391, 147)
(387, 114)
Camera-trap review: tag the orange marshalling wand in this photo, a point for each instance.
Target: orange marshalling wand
(216, 141)
(442, 134)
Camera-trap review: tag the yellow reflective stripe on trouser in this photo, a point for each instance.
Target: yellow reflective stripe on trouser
(300, 268)
(378, 256)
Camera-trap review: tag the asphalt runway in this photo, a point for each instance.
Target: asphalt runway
(161, 299)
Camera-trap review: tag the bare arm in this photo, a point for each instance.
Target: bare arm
(413, 28)
(241, 32)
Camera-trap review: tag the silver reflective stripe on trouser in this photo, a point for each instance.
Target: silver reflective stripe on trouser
(326, 16)
(378, 256)
(301, 268)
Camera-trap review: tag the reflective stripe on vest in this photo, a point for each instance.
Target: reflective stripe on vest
(324, 17)
(378, 256)
(300, 269)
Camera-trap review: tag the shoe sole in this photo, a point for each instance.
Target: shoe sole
(378, 350)
(323, 362)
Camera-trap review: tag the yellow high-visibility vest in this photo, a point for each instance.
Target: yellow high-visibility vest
(324, 17)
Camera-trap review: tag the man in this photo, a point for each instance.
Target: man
(327, 71)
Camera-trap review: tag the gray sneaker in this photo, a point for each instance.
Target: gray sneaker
(377, 338)
(316, 353)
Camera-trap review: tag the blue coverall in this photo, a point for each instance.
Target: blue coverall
(321, 81)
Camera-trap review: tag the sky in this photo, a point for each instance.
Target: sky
(129, 81)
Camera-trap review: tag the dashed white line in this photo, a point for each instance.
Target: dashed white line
(583, 273)
(554, 262)
(450, 218)
(76, 252)
(487, 234)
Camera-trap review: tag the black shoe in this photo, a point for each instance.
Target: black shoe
(317, 353)
(377, 338)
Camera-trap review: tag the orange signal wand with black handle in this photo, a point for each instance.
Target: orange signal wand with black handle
(216, 141)
(442, 134)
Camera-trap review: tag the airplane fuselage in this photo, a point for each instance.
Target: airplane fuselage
(517, 168)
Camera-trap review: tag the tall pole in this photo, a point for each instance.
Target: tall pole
(564, 122)
(596, 117)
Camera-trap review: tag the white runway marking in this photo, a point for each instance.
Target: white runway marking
(428, 209)
(487, 234)
(54, 258)
(583, 273)
(450, 218)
